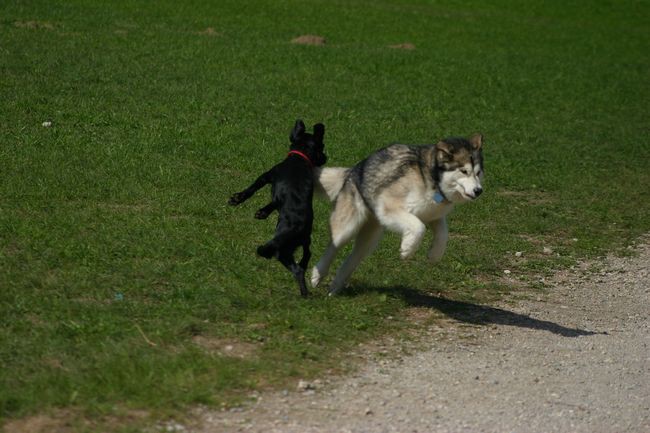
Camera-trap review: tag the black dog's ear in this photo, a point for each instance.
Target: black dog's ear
(298, 130)
(319, 131)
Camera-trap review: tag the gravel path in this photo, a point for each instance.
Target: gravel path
(576, 361)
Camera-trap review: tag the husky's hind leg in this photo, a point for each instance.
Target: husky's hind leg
(365, 243)
(320, 270)
(345, 222)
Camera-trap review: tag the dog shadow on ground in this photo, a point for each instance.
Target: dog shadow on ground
(477, 314)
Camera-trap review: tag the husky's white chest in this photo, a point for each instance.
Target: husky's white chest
(427, 209)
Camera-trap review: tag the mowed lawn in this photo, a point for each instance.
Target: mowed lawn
(130, 290)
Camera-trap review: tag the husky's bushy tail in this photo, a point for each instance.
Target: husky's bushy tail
(329, 181)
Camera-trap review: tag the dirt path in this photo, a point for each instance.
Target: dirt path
(576, 361)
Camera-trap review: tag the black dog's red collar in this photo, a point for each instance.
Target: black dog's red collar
(302, 155)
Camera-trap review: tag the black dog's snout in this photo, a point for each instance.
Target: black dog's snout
(478, 191)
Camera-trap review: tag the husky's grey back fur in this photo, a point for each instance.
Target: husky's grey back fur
(385, 167)
(403, 188)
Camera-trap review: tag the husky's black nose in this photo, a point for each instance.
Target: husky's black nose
(478, 191)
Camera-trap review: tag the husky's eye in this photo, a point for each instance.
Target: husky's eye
(464, 171)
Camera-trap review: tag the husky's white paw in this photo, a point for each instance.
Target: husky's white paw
(315, 277)
(411, 241)
(407, 254)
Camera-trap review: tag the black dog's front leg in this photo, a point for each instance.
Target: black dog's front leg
(244, 195)
(264, 212)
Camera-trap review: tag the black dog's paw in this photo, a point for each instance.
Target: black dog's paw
(236, 199)
(262, 214)
(267, 251)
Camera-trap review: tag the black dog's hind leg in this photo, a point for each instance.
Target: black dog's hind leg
(280, 246)
(286, 258)
(267, 250)
(306, 255)
(264, 212)
(244, 195)
(279, 241)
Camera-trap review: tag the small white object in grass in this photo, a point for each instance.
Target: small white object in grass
(303, 385)
(547, 250)
(507, 271)
(518, 254)
(47, 124)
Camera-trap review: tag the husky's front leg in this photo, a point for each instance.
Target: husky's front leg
(440, 238)
(409, 226)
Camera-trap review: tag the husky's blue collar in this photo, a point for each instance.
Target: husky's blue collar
(439, 197)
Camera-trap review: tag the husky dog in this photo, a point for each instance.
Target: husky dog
(292, 190)
(402, 188)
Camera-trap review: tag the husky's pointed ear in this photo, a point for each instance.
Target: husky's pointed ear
(298, 130)
(476, 141)
(443, 152)
(319, 131)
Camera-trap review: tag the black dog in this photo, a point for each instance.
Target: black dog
(292, 191)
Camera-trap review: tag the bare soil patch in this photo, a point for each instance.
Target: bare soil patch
(405, 46)
(225, 347)
(34, 25)
(309, 40)
(210, 31)
(41, 423)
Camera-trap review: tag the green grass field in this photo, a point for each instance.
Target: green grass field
(125, 277)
